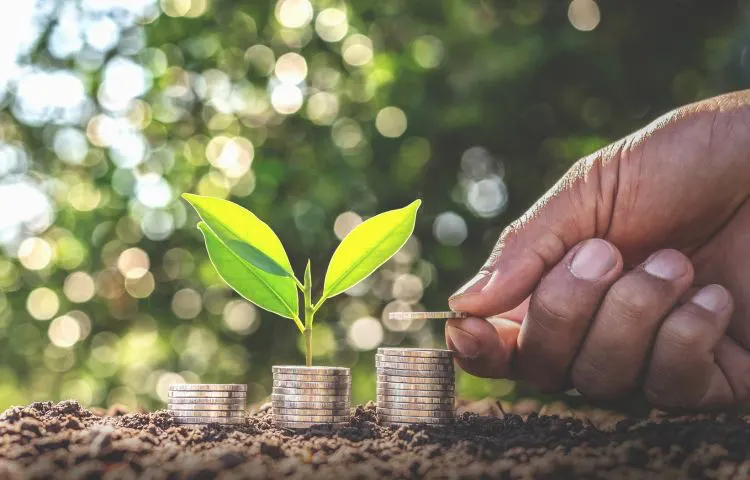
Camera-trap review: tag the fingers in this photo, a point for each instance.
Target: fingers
(560, 311)
(683, 372)
(734, 361)
(616, 348)
(576, 208)
(485, 348)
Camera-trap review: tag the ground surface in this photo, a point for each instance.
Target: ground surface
(64, 440)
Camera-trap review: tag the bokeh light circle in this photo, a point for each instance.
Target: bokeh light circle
(450, 229)
(391, 122)
(365, 333)
(331, 24)
(286, 99)
(584, 15)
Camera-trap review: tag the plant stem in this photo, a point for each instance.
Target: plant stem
(308, 346)
(309, 314)
(299, 324)
(317, 306)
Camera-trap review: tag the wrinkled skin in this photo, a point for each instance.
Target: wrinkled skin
(679, 185)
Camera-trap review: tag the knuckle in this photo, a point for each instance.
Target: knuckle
(685, 334)
(552, 311)
(631, 298)
(628, 303)
(597, 383)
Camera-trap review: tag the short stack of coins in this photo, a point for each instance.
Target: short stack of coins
(307, 396)
(415, 385)
(204, 403)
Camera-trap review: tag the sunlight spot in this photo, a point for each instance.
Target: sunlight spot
(42, 303)
(331, 24)
(286, 98)
(294, 13)
(64, 331)
(357, 50)
(584, 15)
(391, 122)
(365, 333)
(345, 223)
(34, 253)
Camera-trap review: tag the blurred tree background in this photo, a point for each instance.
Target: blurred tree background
(314, 114)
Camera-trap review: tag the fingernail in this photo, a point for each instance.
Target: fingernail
(713, 298)
(667, 264)
(474, 285)
(593, 260)
(464, 342)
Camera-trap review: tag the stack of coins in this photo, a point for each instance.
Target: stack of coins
(203, 403)
(307, 396)
(415, 385)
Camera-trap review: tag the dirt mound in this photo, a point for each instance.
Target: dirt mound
(64, 440)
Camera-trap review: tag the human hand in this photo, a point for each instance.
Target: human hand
(676, 189)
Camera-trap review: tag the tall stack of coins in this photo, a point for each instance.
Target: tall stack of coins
(415, 385)
(203, 403)
(307, 396)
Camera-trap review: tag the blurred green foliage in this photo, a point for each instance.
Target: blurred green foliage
(312, 115)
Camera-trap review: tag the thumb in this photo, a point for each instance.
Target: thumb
(576, 208)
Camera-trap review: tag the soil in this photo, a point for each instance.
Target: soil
(64, 440)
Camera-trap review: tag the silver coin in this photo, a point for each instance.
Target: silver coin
(435, 387)
(287, 397)
(310, 418)
(416, 406)
(303, 425)
(310, 411)
(405, 419)
(419, 380)
(420, 360)
(207, 413)
(414, 413)
(204, 407)
(414, 393)
(208, 387)
(426, 315)
(413, 373)
(207, 420)
(338, 371)
(228, 402)
(431, 387)
(292, 405)
(394, 392)
(201, 394)
(294, 377)
(343, 391)
(297, 384)
(416, 352)
(385, 398)
(426, 368)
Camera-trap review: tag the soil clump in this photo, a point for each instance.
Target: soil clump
(65, 440)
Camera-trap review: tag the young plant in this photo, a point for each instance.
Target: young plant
(249, 257)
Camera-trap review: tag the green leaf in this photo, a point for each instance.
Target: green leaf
(243, 233)
(308, 276)
(277, 294)
(369, 246)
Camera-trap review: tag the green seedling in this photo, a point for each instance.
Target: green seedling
(250, 258)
